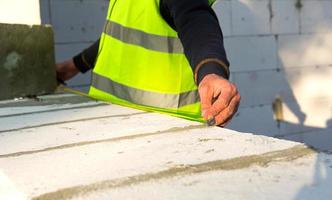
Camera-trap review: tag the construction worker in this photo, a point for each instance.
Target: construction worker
(161, 55)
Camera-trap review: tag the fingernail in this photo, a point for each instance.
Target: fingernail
(211, 122)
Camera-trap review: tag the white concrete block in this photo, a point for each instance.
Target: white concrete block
(45, 14)
(294, 120)
(306, 93)
(316, 16)
(223, 9)
(250, 17)
(293, 137)
(155, 156)
(320, 138)
(13, 123)
(78, 132)
(78, 20)
(20, 12)
(93, 160)
(296, 181)
(258, 120)
(66, 51)
(312, 89)
(50, 103)
(262, 87)
(286, 17)
(310, 82)
(305, 50)
(251, 53)
(314, 114)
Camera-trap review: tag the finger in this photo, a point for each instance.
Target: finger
(227, 121)
(223, 100)
(206, 95)
(225, 115)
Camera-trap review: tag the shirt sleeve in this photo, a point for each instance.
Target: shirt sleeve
(200, 34)
(85, 60)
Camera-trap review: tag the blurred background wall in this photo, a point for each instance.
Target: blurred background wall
(18, 11)
(279, 49)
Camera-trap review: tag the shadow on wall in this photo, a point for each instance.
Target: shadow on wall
(268, 62)
(296, 79)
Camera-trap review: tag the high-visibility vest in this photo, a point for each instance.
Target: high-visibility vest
(141, 63)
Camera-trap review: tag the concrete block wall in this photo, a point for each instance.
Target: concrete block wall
(281, 48)
(77, 25)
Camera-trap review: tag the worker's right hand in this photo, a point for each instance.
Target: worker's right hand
(220, 99)
(66, 70)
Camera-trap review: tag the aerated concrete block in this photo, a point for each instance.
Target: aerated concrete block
(223, 11)
(26, 61)
(316, 16)
(255, 119)
(285, 17)
(252, 53)
(305, 50)
(77, 20)
(251, 17)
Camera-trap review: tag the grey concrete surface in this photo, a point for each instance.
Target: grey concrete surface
(26, 60)
(68, 147)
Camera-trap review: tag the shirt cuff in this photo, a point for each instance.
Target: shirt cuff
(81, 64)
(211, 66)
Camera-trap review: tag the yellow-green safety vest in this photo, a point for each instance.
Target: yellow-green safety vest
(141, 63)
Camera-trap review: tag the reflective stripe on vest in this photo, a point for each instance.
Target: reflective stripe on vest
(142, 97)
(143, 39)
(141, 62)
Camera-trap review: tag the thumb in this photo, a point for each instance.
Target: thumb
(206, 96)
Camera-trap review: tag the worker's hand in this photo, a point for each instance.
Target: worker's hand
(220, 99)
(66, 70)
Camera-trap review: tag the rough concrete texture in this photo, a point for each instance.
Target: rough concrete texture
(26, 60)
(97, 151)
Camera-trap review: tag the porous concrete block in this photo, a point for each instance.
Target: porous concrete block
(252, 53)
(285, 18)
(311, 82)
(45, 12)
(100, 151)
(316, 16)
(26, 61)
(255, 119)
(223, 11)
(311, 87)
(319, 138)
(305, 50)
(251, 17)
(262, 87)
(294, 120)
(77, 20)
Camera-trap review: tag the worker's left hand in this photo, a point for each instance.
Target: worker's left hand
(220, 99)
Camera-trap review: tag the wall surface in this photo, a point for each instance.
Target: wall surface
(20, 12)
(277, 48)
(77, 25)
(281, 48)
(67, 147)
